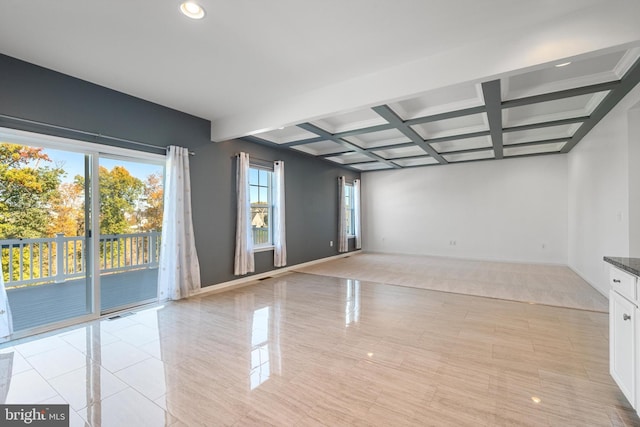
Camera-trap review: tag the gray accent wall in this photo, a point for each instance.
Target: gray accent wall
(34, 93)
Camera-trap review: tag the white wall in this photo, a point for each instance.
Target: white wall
(599, 195)
(634, 181)
(497, 210)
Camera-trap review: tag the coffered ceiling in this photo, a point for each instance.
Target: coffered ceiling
(366, 83)
(545, 111)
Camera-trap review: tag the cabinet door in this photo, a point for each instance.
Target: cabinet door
(622, 344)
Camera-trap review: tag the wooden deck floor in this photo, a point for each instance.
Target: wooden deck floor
(40, 305)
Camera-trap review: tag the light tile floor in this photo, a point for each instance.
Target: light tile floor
(309, 350)
(543, 284)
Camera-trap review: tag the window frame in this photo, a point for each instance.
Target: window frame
(350, 210)
(269, 169)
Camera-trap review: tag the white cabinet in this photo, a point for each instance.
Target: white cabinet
(624, 332)
(622, 343)
(623, 283)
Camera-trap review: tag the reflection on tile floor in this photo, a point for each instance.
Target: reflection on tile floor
(311, 350)
(555, 285)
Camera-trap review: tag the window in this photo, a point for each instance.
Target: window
(348, 205)
(260, 185)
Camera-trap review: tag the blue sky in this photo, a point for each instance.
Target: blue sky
(73, 164)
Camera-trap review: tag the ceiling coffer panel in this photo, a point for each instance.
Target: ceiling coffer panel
(462, 144)
(558, 109)
(320, 148)
(515, 150)
(383, 138)
(349, 121)
(439, 101)
(465, 157)
(396, 153)
(580, 73)
(541, 134)
(542, 111)
(371, 166)
(422, 161)
(455, 126)
(348, 158)
(286, 135)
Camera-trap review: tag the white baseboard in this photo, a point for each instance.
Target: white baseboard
(249, 280)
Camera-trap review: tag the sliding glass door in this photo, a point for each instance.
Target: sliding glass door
(43, 234)
(67, 210)
(131, 195)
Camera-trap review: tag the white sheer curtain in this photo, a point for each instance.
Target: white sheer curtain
(279, 229)
(343, 244)
(356, 213)
(6, 323)
(179, 272)
(243, 262)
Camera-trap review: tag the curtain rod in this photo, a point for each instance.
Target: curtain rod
(97, 135)
(258, 159)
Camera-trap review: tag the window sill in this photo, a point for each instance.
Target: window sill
(351, 237)
(263, 248)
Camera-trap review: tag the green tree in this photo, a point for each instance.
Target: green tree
(67, 210)
(27, 186)
(119, 196)
(150, 215)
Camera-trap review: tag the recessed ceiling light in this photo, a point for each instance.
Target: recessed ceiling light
(536, 399)
(564, 64)
(192, 10)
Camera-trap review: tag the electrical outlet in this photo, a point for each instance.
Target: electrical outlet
(331, 243)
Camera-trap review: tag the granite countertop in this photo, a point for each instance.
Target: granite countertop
(630, 265)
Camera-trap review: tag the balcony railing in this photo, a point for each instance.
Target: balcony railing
(260, 235)
(58, 259)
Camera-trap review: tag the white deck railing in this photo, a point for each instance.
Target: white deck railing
(58, 259)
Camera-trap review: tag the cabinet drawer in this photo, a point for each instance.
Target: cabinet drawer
(623, 282)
